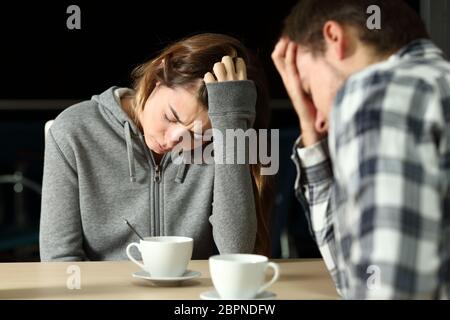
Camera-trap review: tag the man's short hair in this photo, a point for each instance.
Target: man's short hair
(400, 24)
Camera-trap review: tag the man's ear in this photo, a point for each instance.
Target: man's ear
(334, 36)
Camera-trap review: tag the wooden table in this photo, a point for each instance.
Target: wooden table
(300, 279)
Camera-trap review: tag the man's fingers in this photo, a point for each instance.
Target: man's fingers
(209, 77)
(241, 69)
(290, 74)
(279, 53)
(229, 68)
(280, 48)
(220, 71)
(290, 60)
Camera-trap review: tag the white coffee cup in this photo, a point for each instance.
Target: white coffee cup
(241, 276)
(164, 256)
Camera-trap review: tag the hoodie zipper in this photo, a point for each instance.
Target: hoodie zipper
(156, 184)
(156, 180)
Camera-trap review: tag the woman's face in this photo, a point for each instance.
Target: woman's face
(169, 115)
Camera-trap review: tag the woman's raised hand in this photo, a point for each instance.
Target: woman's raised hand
(227, 70)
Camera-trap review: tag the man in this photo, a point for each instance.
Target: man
(373, 159)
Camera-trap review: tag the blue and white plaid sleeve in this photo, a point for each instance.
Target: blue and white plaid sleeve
(313, 186)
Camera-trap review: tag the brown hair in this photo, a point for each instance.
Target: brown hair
(183, 64)
(400, 24)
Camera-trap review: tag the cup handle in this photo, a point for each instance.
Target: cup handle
(134, 244)
(275, 277)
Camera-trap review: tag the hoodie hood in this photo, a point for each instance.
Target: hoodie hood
(121, 122)
(110, 105)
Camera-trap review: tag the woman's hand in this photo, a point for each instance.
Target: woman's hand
(284, 57)
(227, 70)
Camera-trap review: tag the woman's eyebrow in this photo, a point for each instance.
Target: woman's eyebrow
(175, 114)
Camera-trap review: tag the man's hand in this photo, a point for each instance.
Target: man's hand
(227, 70)
(284, 57)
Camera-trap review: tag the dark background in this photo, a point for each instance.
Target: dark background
(41, 58)
(44, 67)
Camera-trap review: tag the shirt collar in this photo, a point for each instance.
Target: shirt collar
(423, 48)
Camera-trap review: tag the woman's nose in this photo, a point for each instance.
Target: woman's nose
(174, 136)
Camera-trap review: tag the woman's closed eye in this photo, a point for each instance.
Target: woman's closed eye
(170, 120)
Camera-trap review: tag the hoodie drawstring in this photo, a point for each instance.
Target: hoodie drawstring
(130, 152)
(181, 174)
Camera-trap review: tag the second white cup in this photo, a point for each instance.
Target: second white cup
(241, 276)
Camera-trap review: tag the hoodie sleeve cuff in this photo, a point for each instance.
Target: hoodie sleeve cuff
(231, 96)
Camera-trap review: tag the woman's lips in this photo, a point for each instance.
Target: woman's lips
(163, 150)
(157, 147)
(160, 148)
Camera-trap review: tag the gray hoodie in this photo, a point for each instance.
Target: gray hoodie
(98, 170)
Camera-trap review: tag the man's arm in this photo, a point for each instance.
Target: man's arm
(314, 176)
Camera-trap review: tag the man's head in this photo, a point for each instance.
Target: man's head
(335, 42)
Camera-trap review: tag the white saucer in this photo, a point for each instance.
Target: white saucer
(189, 274)
(213, 295)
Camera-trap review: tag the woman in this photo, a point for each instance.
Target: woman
(108, 158)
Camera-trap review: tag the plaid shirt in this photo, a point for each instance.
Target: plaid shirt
(377, 190)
